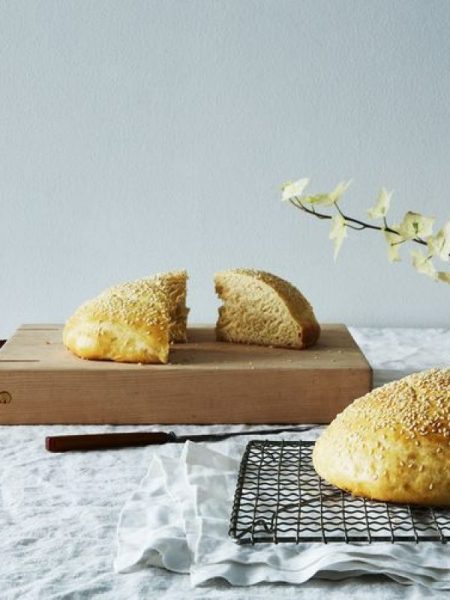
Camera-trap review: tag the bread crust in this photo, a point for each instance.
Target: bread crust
(393, 444)
(298, 307)
(125, 323)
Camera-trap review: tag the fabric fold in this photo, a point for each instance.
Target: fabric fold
(179, 519)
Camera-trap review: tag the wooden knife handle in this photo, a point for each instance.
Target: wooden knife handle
(106, 441)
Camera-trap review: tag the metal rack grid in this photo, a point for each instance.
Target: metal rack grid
(280, 498)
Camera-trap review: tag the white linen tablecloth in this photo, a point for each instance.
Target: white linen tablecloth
(179, 518)
(58, 513)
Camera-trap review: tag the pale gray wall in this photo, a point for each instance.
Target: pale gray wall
(138, 136)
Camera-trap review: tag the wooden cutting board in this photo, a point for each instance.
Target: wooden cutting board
(205, 382)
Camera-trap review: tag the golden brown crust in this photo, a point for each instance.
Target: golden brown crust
(393, 444)
(310, 333)
(125, 323)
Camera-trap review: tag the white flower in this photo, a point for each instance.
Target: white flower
(439, 244)
(293, 189)
(339, 190)
(444, 276)
(330, 198)
(380, 210)
(338, 232)
(423, 264)
(394, 240)
(416, 225)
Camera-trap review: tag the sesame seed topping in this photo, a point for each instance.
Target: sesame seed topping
(401, 429)
(416, 405)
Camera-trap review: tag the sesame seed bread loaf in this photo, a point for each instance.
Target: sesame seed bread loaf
(393, 444)
(260, 308)
(131, 322)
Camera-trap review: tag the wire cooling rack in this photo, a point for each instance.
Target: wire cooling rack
(280, 498)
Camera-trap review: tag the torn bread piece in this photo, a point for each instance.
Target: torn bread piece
(131, 322)
(261, 308)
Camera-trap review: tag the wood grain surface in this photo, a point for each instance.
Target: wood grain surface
(205, 382)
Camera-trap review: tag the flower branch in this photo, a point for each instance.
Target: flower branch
(414, 227)
(356, 223)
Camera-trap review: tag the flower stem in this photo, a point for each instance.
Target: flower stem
(350, 221)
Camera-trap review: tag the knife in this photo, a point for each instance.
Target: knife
(109, 441)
